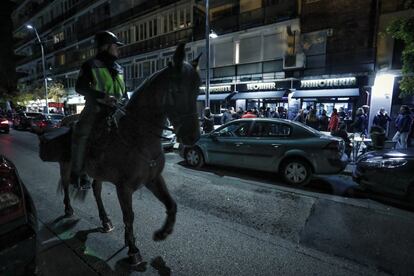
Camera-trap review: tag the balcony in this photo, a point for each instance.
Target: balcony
(156, 43)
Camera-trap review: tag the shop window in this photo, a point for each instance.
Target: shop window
(146, 69)
(227, 71)
(250, 5)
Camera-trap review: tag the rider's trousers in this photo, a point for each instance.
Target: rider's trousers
(80, 136)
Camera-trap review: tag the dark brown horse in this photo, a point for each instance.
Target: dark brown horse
(130, 156)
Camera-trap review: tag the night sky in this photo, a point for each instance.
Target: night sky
(7, 67)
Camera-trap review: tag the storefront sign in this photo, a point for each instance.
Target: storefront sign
(327, 83)
(217, 89)
(56, 105)
(261, 86)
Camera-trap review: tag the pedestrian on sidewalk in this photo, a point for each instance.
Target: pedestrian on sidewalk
(403, 125)
(359, 122)
(334, 121)
(208, 121)
(323, 121)
(312, 119)
(249, 114)
(382, 119)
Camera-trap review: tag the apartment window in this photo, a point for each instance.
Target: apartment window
(250, 5)
(182, 19)
(141, 32)
(150, 29)
(170, 21)
(165, 23)
(145, 30)
(146, 68)
(61, 59)
(175, 18)
(155, 27)
(59, 37)
(188, 16)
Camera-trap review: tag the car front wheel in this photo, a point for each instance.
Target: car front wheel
(296, 172)
(194, 157)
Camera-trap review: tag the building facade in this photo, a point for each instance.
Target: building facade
(286, 54)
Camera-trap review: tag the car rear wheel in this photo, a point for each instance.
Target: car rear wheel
(194, 157)
(296, 172)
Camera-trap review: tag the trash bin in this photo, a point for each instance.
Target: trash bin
(378, 138)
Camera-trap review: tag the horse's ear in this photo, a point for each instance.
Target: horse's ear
(179, 54)
(195, 61)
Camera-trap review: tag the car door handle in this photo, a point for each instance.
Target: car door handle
(275, 145)
(238, 144)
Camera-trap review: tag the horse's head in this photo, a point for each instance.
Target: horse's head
(171, 92)
(180, 97)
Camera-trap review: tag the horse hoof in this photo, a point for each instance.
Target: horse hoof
(161, 235)
(68, 213)
(107, 227)
(135, 259)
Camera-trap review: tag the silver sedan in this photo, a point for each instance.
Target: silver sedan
(292, 149)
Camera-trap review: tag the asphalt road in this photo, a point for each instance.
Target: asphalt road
(228, 223)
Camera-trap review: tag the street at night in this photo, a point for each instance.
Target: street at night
(226, 225)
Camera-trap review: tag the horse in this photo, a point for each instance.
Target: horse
(130, 156)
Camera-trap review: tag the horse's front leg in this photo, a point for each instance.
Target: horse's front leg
(159, 189)
(106, 222)
(125, 200)
(65, 182)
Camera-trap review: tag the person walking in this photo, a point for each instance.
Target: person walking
(312, 119)
(381, 119)
(101, 81)
(323, 121)
(249, 114)
(403, 125)
(359, 122)
(334, 121)
(208, 121)
(300, 117)
(226, 117)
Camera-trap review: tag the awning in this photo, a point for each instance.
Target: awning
(213, 97)
(326, 93)
(259, 95)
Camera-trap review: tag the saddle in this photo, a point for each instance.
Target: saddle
(55, 144)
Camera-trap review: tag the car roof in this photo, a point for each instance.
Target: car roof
(264, 120)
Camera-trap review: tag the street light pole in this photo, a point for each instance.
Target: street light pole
(207, 54)
(43, 64)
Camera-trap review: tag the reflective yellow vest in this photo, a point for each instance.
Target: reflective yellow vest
(104, 82)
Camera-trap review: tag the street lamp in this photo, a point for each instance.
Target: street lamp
(209, 34)
(30, 27)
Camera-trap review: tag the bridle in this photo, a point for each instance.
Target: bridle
(168, 102)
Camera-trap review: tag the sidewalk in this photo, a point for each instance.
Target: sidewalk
(55, 257)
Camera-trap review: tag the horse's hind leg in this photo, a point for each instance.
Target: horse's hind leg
(125, 200)
(106, 222)
(65, 182)
(159, 189)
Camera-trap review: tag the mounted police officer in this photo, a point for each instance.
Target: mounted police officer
(101, 82)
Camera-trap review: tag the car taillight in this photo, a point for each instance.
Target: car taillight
(11, 196)
(5, 122)
(41, 124)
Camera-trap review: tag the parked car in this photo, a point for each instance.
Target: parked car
(388, 172)
(44, 122)
(169, 139)
(292, 149)
(4, 125)
(23, 120)
(18, 224)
